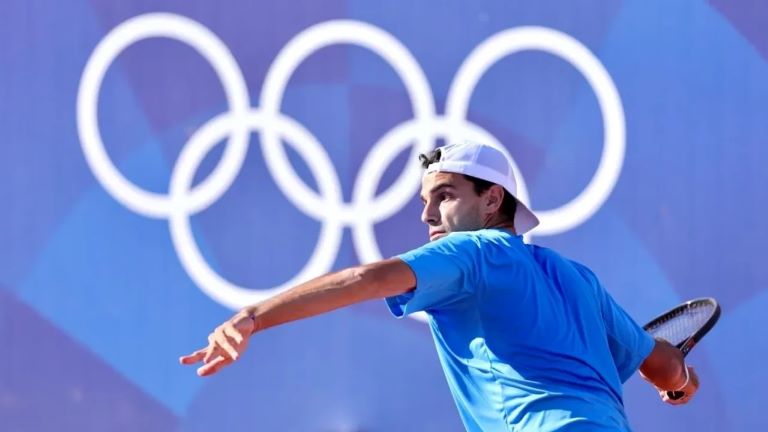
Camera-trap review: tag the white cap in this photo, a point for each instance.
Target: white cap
(487, 163)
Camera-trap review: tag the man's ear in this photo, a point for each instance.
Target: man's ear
(494, 196)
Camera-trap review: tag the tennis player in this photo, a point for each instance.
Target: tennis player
(528, 340)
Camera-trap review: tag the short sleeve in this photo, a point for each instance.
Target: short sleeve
(629, 343)
(446, 271)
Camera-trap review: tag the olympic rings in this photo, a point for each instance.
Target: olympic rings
(366, 208)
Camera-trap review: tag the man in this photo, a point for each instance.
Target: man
(528, 340)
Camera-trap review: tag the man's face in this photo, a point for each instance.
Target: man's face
(450, 204)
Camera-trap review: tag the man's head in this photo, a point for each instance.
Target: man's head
(470, 186)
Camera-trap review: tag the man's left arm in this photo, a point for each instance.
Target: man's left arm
(228, 341)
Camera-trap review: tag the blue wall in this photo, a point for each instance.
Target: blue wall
(112, 267)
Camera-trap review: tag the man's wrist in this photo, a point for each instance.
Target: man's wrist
(252, 313)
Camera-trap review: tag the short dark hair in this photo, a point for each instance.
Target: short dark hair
(508, 203)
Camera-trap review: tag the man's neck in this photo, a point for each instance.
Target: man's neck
(501, 223)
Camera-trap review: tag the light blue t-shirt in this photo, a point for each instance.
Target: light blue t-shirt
(528, 340)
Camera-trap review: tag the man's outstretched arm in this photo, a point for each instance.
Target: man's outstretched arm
(323, 294)
(665, 368)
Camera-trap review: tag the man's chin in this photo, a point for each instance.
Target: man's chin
(437, 236)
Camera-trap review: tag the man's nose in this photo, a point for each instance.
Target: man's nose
(430, 215)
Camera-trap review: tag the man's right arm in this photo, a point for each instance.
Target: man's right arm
(665, 369)
(660, 363)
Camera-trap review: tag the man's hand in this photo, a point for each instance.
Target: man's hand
(225, 345)
(689, 390)
(664, 369)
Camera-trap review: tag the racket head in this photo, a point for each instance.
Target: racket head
(685, 325)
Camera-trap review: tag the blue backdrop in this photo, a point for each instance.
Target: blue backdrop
(639, 128)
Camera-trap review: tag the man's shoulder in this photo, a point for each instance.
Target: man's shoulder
(545, 254)
(551, 257)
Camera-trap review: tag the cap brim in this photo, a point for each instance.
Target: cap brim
(525, 220)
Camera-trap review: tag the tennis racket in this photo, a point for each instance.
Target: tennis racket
(684, 326)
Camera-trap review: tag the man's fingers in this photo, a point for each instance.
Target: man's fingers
(214, 366)
(193, 358)
(225, 345)
(222, 340)
(211, 352)
(219, 344)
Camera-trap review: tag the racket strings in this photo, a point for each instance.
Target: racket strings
(681, 324)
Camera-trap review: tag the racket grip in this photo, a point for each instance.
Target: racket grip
(675, 395)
